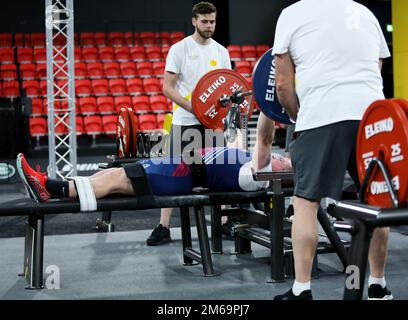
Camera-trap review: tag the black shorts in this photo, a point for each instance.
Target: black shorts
(320, 158)
(186, 139)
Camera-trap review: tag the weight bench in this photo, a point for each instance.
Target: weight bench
(34, 239)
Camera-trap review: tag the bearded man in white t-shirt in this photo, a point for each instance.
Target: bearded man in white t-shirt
(336, 49)
(187, 61)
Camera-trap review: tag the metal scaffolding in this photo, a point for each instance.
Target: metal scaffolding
(62, 145)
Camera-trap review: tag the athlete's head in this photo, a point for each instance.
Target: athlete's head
(203, 18)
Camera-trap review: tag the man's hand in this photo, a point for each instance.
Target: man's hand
(171, 92)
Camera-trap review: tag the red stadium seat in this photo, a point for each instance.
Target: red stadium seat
(93, 125)
(106, 53)
(243, 67)
(144, 68)
(105, 104)
(6, 40)
(79, 125)
(109, 124)
(158, 68)
(136, 38)
(27, 71)
(234, 51)
(95, 69)
(249, 51)
(122, 53)
(80, 70)
(164, 38)
(38, 126)
(151, 85)
(137, 53)
(122, 102)
(100, 87)
(261, 49)
(176, 36)
(87, 105)
(134, 86)
(128, 69)
(90, 54)
(165, 51)
(153, 52)
(116, 38)
(6, 55)
(111, 69)
(38, 39)
(100, 39)
(8, 71)
(43, 87)
(117, 86)
(87, 39)
(40, 55)
(141, 103)
(20, 40)
(128, 36)
(147, 38)
(25, 55)
(32, 88)
(77, 54)
(147, 122)
(37, 106)
(83, 87)
(11, 88)
(158, 103)
(41, 70)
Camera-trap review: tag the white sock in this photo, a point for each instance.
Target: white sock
(373, 280)
(299, 287)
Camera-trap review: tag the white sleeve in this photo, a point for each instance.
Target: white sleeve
(384, 51)
(227, 59)
(173, 60)
(283, 34)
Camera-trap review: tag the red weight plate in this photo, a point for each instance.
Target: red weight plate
(210, 88)
(383, 133)
(133, 133)
(403, 103)
(123, 133)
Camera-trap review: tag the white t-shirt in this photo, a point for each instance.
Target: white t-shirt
(191, 60)
(335, 46)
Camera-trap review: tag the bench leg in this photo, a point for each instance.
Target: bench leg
(276, 208)
(34, 252)
(186, 233)
(357, 259)
(104, 224)
(216, 235)
(204, 242)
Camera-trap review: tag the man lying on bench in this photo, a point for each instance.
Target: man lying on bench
(218, 169)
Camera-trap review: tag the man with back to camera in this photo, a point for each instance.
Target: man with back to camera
(336, 48)
(187, 61)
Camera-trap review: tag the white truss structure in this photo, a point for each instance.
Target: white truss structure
(59, 23)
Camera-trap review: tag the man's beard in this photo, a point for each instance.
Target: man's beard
(205, 34)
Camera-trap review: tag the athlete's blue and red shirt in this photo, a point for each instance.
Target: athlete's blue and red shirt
(172, 176)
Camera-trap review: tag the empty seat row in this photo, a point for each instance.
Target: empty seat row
(84, 70)
(244, 67)
(93, 38)
(106, 105)
(247, 51)
(94, 125)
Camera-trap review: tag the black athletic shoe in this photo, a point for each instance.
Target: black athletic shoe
(227, 230)
(159, 236)
(305, 295)
(376, 292)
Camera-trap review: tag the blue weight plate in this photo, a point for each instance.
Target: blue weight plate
(263, 82)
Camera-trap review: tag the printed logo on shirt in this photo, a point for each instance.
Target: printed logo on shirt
(213, 63)
(193, 56)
